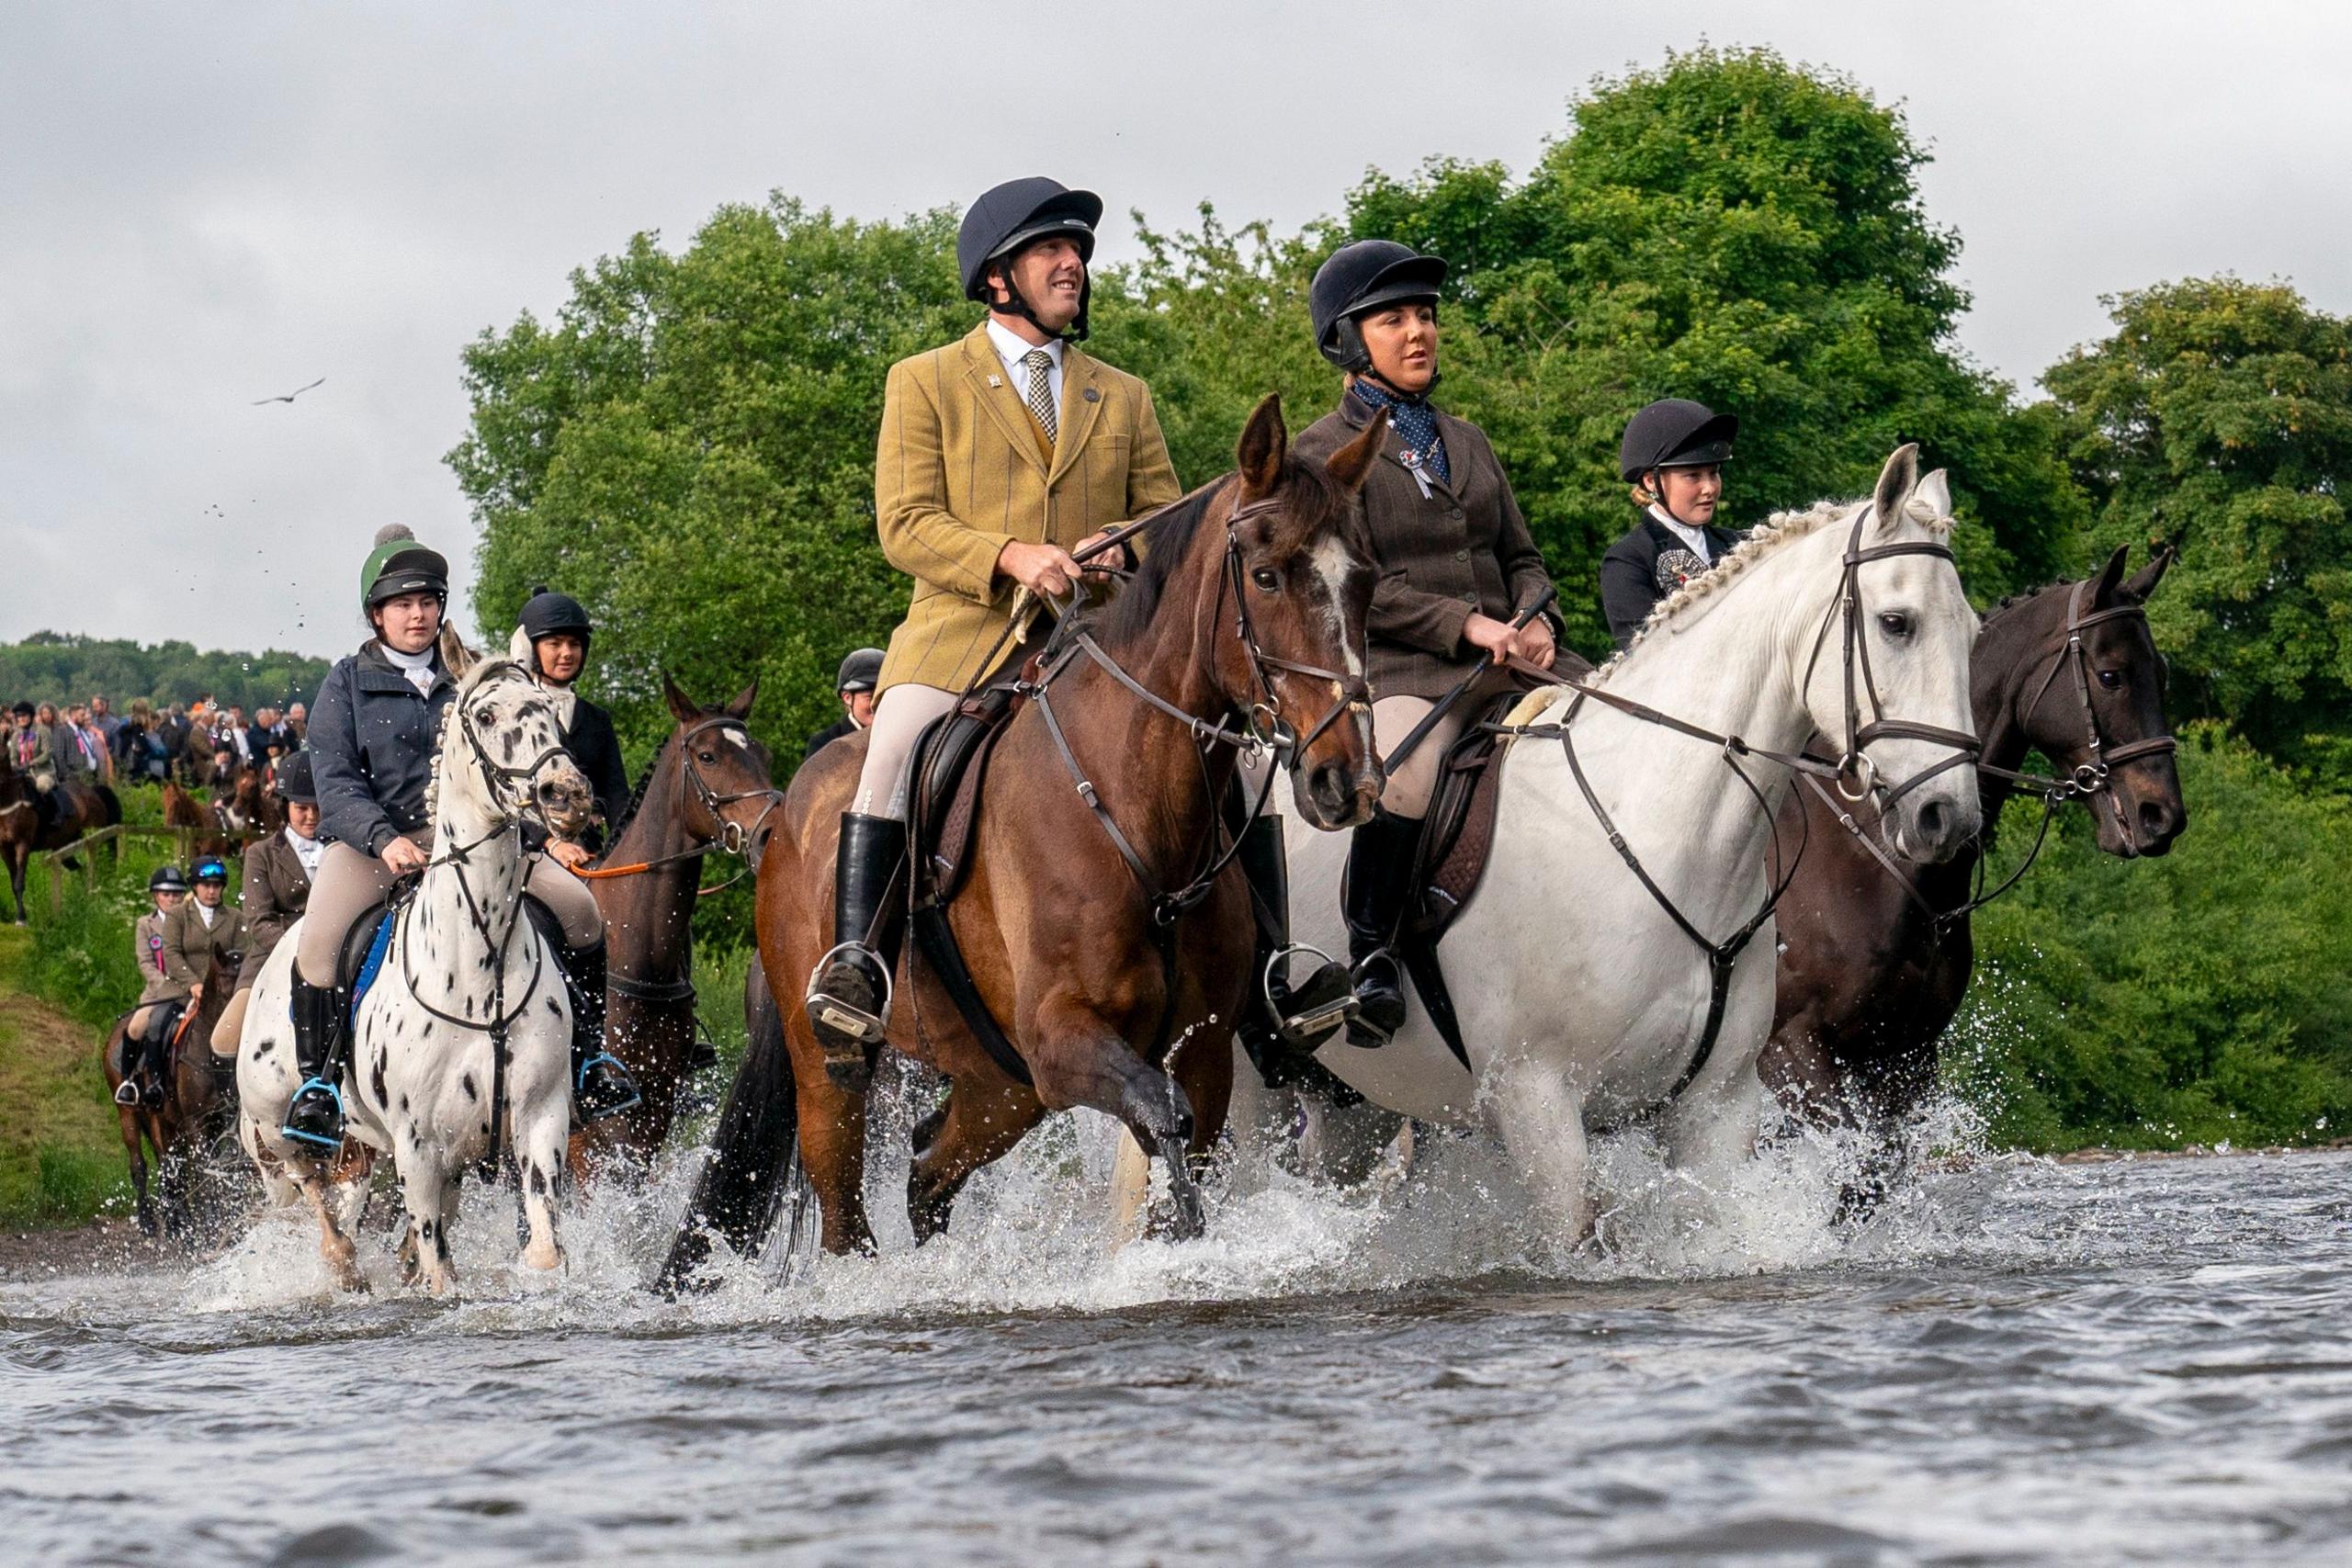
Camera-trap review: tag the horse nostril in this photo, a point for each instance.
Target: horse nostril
(1932, 821)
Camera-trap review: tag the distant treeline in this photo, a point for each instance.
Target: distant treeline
(62, 668)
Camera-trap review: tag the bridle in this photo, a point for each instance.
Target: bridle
(1853, 762)
(2087, 779)
(732, 837)
(1264, 732)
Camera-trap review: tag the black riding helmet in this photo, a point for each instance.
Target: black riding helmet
(398, 565)
(861, 672)
(293, 780)
(547, 612)
(1675, 432)
(1362, 277)
(1019, 213)
(166, 879)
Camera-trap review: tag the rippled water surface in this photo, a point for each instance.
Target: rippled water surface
(2021, 1363)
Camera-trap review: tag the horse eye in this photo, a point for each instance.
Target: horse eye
(2110, 679)
(1895, 623)
(485, 715)
(1268, 580)
(706, 757)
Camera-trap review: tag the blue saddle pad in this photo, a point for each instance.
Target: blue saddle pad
(372, 965)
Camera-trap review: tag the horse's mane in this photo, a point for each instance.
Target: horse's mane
(614, 829)
(1130, 614)
(1766, 539)
(2023, 596)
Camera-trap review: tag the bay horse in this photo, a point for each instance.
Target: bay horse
(179, 1131)
(207, 833)
(463, 1045)
(707, 790)
(82, 808)
(1248, 610)
(1876, 957)
(1598, 975)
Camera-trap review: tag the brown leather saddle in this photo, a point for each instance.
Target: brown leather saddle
(950, 769)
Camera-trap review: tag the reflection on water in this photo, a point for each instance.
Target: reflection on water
(2020, 1362)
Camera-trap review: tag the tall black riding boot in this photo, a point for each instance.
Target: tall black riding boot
(1380, 864)
(1303, 1015)
(154, 1070)
(134, 1051)
(849, 996)
(600, 1085)
(321, 1016)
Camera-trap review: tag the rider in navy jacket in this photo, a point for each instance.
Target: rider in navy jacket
(372, 734)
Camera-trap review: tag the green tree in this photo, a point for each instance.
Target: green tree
(1730, 228)
(53, 667)
(2219, 414)
(689, 450)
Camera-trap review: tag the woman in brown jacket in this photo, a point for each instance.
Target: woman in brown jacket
(1456, 565)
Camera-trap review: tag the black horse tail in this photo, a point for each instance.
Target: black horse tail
(754, 1163)
(112, 802)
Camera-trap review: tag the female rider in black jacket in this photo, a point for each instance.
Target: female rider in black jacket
(371, 737)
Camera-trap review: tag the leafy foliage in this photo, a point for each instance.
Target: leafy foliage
(50, 666)
(2220, 413)
(2202, 997)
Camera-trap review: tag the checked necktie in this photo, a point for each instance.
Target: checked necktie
(1041, 394)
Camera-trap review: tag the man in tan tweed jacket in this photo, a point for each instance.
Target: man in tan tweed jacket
(1000, 454)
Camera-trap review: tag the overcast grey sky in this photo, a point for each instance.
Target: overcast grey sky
(201, 205)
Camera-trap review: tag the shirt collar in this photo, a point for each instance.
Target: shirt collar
(1694, 537)
(1010, 345)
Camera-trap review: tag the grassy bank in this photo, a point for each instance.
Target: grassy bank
(60, 1160)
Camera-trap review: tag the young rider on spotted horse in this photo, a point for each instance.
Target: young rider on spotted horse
(1673, 456)
(372, 732)
(1457, 565)
(1000, 454)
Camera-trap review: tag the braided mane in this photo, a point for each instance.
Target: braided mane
(1767, 538)
(637, 793)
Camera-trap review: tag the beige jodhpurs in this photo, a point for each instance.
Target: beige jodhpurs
(350, 883)
(1414, 784)
(883, 785)
(232, 1026)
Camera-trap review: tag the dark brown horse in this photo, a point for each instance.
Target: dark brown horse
(1873, 965)
(248, 808)
(1249, 587)
(706, 789)
(193, 1111)
(80, 809)
(207, 833)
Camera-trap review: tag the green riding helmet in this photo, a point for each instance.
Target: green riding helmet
(398, 565)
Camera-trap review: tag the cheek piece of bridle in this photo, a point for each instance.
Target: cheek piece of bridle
(1264, 729)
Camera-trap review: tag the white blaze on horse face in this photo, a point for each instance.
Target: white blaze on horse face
(738, 737)
(1333, 564)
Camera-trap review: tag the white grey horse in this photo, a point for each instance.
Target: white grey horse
(465, 969)
(1582, 1003)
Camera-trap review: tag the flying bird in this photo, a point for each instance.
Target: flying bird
(289, 397)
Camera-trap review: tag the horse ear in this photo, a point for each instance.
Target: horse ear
(1264, 443)
(682, 706)
(1935, 494)
(1895, 483)
(741, 706)
(455, 657)
(2111, 577)
(2144, 581)
(1351, 464)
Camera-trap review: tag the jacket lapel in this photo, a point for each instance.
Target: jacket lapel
(1003, 403)
(1081, 400)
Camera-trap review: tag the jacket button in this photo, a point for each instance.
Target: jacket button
(1455, 514)
(1462, 555)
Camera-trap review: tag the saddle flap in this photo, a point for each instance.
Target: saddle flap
(1459, 834)
(951, 761)
(365, 945)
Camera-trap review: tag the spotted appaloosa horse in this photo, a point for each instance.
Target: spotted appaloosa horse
(466, 977)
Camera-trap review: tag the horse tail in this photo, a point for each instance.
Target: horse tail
(113, 803)
(752, 1162)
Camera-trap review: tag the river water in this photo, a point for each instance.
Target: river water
(2018, 1362)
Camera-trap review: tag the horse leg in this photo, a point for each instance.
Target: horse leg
(1712, 1128)
(429, 1191)
(541, 1148)
(1085, 1062)
(833, 1152)
(1541, 1118)
(134, 1145)
(334, 1244)
(982, 1124)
